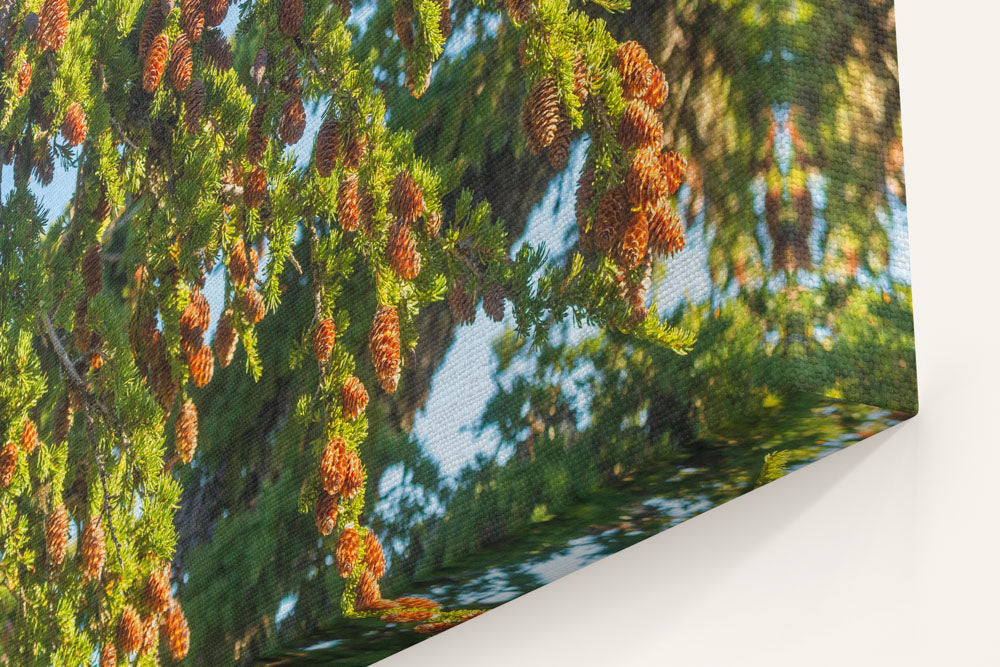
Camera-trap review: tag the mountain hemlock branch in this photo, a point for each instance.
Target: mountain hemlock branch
(183, 161)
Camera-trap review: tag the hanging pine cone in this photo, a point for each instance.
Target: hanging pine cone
(558, 150)
(434, 628)
(366, 212)
(202, 366)
(519, 10)
(150, 627)
(290, 15)
(157, 593)
(401, 250)
(62, 419)
(194, 105)
(368, 593)
(656, 94)
(327, 146)
(325, 513)
(152, 26)
(56, 535)
(584, 199)
(493, 303)
(418, 81)
(417, 602)
(347, 552)
(44, 165)
(186, 431)
(253, 305)
(109, 656)
(383, 344)
(640, 127)
(225, 339)
(666, 234)
(642, 180)
(256, 139)
(634, 240)
(354, 475)
(581, 78)
(161, 372)
(129, 633)
(432, 224)
(348, 212)
(74, 127)
(23, 78)
(156, 61)
(103, 208)
(255, 188)
(53, 24)
(407, 615)
(353, 398)
(402, 20)
(92, 550)
(673, 168)
(180, 63)
(462, 303)
(333, 465)
(355, 149)
(193, 19)
(239, 269)
(635, 68)
(195, 318)
(92, 270)
(610, 218)
(406, 200)
(217, 50)
(374, 556)
(292, 123)
(8, 464)
(444, 22)
(541, 114)
(176, 629)
(324, 336)
(259, 67)
(29, 436)
(215, 12)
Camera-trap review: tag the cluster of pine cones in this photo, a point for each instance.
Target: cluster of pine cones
(546, 124)
(161, 615)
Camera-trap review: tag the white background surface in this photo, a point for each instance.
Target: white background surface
(885, 554)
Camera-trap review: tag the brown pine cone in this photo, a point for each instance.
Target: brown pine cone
(325, 513)
(92, 550)
(348, 211)
(581, 78)
(186, 431)
(558, 150)
(239, 268)
(157, 593)
(109, 656)
(152, 26)
(333, 465)
(519, 10)
(541, 114)
(368, 593)
(406, 200)
(432, 224)
(193, 19)
(384, 346)
(23, 79)
(161, 372)
(150, 627)
(195, 318)
(416, 602)
(253, 305)
(324, 336)
(401, 250)
(29, 436)
(640, 127)
(673, 167)
(74, 127)
(461, 303)
(256, 139)
(255, 188)
(635, 238)
(656, 94)
(180, 63)
(92, 270)
(8, 464)
(327, 146)
(290, 15)
(103, 208)
(610, 218)
(353, 398)
(176, 628)
(402, 20)
(407, 615)
(347, 552)
(374, 556)
(194, 105)
(62, 419)
(215, 12)
(56, 535)
(493, 303)
(666, 234)
(156, 61)
(643, 182)
(259, 67)
(217, 50)
(129, 635)
(444, 23)
(355, 149)
(44, 165)
(292, 123)
(584, 199)
(434, 628)
(635, 68)
(202, 366)
(354, 475)
(53, 24)
(366, 212)
(225, 339)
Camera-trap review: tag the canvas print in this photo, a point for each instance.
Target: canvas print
(329, 325)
